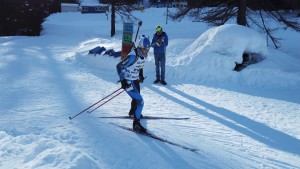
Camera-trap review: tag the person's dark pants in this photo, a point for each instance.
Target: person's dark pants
(160, 65)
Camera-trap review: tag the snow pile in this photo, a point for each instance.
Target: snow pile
(232, 40)
(212, 56)
(229, 40)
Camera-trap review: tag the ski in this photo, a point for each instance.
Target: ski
(158, 138)
(145, 117)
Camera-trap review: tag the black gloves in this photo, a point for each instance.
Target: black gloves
(124, 84)
(141, 79)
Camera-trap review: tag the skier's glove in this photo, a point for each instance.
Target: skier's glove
(124, 84)
(141, 79)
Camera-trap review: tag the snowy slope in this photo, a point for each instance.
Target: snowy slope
(237, 120)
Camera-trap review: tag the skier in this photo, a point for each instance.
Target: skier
(130, 71)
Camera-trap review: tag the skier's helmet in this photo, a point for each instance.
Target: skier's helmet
(144, 43)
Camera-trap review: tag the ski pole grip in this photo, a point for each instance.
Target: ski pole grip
(140, 23)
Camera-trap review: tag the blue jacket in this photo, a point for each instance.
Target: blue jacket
(160, 49)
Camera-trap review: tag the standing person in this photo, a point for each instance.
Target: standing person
(130, 71)
(159, 44)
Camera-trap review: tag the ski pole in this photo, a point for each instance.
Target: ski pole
(95, 104)
(105, 102)
(137, 32)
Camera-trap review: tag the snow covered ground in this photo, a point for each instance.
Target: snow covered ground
(247, 119)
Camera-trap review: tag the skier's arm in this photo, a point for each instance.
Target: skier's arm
(127, 61)
(141, 75)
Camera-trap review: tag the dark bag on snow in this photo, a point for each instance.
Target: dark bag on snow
(97, 50)
(109, 52)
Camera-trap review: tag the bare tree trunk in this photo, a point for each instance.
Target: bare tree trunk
(242, 9)
(113, 19)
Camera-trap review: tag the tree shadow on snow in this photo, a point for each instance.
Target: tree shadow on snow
(257, 131)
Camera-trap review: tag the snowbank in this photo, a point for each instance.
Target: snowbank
(229, 40)
(212, 56)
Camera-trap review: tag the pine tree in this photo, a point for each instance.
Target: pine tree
(247, 13)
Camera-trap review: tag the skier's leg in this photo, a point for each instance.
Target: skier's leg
(133, 102)
(139, 103)
(139, 107)
(132, 108)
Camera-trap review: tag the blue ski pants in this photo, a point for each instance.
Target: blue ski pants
(137, 98)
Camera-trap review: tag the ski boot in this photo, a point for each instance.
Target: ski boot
(137, 127)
